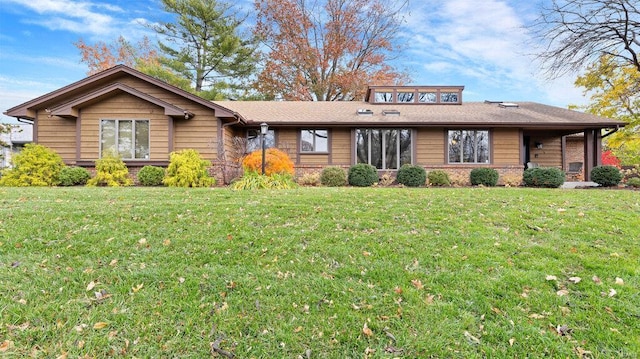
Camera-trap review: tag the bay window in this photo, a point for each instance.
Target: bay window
(385, 149)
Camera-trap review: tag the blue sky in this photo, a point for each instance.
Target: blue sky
(480, 44)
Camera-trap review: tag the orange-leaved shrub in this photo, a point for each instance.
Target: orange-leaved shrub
(276, 161)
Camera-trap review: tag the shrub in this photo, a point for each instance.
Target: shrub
(549, 177)
(458, 179)
(412, 176)
(309, 179)
(484, 176)
(74, 176)
(188, 169)
(110, 171)
(253, 180)
(386, 180)
(438, 178)
(333, 177)
(151, 175)
(606, 176)
(35, 165)
(609, 159)
(276, 161)
(634, 182)
(362, 175)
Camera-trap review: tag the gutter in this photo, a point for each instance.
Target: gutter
(24, 120)
(611, 132)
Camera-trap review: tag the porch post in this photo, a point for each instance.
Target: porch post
(589, 152)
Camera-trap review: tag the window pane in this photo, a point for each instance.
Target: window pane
(405, 96)
(254, 139)
(322, 141)
(405, 147)
(427, 97)
(108, 136)
(125, 139)
(391, 149)
(468, 146)
(306, 141)
(449, 97)
(483, 146)
(142, 139)
(384, 97)
(362, 146)
(455, 140)
(376, 148)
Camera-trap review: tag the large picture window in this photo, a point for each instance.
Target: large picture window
(314, 141)
(385, 149)
(127, 138)
(254, 140)
(469, 146)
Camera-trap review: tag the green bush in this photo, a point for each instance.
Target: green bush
(549, 177)
(412, 176)
(606, 176)
(35, 165)
(333, 177)
(110, 171)
(74, 176)
(634, 182)
(362, 175)
(188, 169)
(151, 175)
(438, 178)
(484, 176)
(253, 180)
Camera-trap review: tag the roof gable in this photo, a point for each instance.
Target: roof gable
(103, 79)
(70, 109)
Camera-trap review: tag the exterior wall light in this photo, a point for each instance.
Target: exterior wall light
(539, 145)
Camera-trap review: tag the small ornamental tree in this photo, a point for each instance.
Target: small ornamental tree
(609, 159)
(35, 165)
(110, 171)
(188, 169)
(276, 161)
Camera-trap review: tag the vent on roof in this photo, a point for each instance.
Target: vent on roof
(364, 112)
(508, 105)
(390, 113)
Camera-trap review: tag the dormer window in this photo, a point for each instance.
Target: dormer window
(449, 97)
(404, 96)
(427, 97)
(384, 97)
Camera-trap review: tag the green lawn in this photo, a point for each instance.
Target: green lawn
(319, 273)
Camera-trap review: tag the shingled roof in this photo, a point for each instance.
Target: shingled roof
(343, 113)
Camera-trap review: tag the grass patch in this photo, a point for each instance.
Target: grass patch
(319, 272)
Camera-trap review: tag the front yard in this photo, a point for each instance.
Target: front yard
(319, 273)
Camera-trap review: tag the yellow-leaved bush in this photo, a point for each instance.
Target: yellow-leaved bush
(276, 161)
(188, 169)
(35, 165)
(110, 171)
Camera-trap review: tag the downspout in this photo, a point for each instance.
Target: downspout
(221, 148)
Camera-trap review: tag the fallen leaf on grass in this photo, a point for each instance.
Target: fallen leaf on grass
(297, 330)
(62, 356)
(91, 285)
(583, 353)
(619, 281)
(563, 330)
(551, 277)
(417, 283)
(366, 330)
(113, 262)
(471, 338)
(575, 280)
(6, 345)
(562, 292)
(511, 341)
(612, 292)
(596, 279)
(100, 325)
(137, 288)
(536, 316)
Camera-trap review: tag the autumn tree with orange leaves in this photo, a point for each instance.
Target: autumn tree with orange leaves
(327, 50)
(101, 55)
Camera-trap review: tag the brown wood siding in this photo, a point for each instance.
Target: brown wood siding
(198, 133)
(340, 146)
(58, 134)
(308, 159)
(124, 107)
(288, 141)
(430, 146)
(506, 146)
(550, 155)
